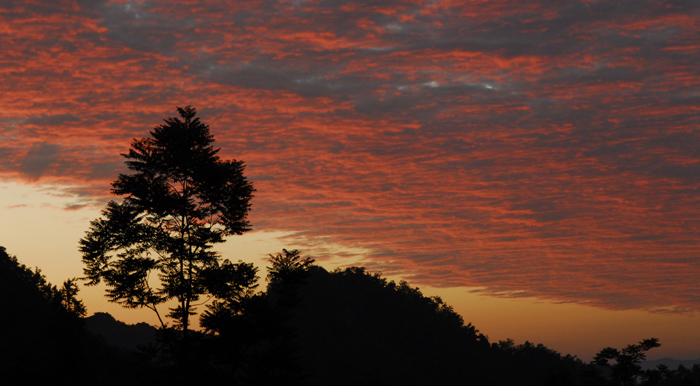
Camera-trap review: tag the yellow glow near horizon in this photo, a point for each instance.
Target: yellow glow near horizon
(41, 233)
(573, 328)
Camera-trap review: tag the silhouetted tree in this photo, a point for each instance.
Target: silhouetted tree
(626, 368)
(233, 285)
(179, 200)
(287, 264)
(69, 298)
(64, 298)
(254, 342)
(286, 273)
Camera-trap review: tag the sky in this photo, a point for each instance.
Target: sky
(536, 164)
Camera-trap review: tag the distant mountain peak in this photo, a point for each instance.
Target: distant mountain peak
(670, 363)
(118, 333)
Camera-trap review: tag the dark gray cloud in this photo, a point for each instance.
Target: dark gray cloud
(533, 150)
(39, 159)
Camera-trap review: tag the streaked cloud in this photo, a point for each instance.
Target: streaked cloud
(526, 150)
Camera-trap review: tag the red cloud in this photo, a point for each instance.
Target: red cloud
(530, 152)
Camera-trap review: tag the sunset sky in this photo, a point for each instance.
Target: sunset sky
(538, 166)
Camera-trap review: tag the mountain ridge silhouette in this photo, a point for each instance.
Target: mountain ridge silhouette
(119, 334)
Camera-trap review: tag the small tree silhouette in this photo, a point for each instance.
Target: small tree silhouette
(626, 368)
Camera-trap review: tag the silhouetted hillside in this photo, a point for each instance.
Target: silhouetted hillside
(311, 327)
(349, 327)
(670, 363)
(120, 334)
(43, 339)
(40, 337)
(358, 329)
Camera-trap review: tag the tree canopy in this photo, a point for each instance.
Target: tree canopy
(178, 201)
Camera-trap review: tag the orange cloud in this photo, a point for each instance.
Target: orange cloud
(527, 151)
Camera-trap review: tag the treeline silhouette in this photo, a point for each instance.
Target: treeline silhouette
(43, 340)
(309, 327)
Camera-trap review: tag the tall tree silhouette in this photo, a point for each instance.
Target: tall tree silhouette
(179, 200)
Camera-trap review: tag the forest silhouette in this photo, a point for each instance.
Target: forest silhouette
(309, 326)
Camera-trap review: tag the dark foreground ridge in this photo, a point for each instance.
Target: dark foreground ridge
(310, 327)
